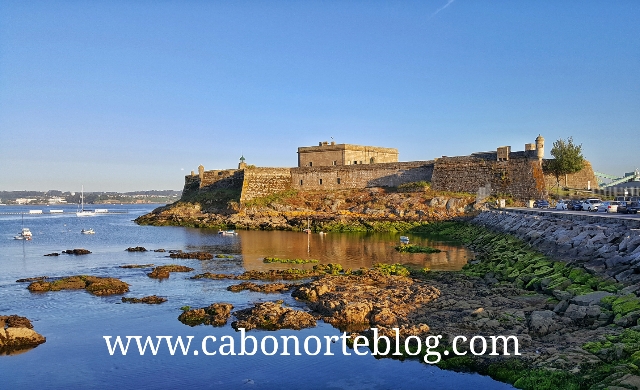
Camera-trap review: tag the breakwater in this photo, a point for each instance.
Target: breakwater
(609, 247)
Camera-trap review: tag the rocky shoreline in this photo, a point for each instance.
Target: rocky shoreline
(17, 334)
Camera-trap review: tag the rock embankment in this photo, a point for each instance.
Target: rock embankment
(272, 316)
(16, 333)
(602, 246)
(92, 284)
(215, 314)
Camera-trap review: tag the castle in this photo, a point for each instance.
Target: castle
(331, 166)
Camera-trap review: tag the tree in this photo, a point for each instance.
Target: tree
(567, 159)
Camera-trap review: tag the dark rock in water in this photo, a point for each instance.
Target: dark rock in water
(192, 255)
(216, 314)
(162, 272)
(272, 316)
(137, 266)
(92, 284)
(159, 250)
(32, 279)
(16, 333)
(78, 251)
(136, 249)
(263, 288)
(53, 254)
(209, 275)
(151, 300)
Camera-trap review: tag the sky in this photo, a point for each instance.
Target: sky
(133, 95)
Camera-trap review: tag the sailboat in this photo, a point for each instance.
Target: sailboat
(25, 234)
(83, 212)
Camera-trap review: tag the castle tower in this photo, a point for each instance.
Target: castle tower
(201, 172)
(540, 147)
(242, 164)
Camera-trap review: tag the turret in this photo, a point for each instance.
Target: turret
(540, 147)
(242, 164)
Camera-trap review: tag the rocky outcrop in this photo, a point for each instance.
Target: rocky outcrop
(92, 284)
(137, 266)
(370, 299)
(77, 252)
(273, 274)
(163, 271)
(272, 316)
(136, 249)
(53, 254)
(266, 288)
(602, 246)
(192, 255)
(150, 300)
(215, 314)
(16, 333)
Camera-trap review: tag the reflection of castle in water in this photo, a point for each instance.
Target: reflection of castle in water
(352, 250)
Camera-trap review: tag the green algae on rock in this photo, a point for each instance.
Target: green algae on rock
(93, 284)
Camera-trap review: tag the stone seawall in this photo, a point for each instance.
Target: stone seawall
(361, 176)
(608, 247)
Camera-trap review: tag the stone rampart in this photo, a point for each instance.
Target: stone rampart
(585, 179)
(521, 178)
(259, 182)
(228, 179)
(360, 176)
(601, 245)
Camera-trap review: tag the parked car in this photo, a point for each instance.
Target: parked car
(541, 204)
(563, 205)
(610, 206)
(575, 205)
(591, 204)
(629, 207)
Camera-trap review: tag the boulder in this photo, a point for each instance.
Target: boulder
(543, 322)
(272, 316)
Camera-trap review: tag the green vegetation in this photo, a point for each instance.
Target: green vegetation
(273, 198)
(331, 268)
(567, 159)
(292, 261)
(222, 256)
(415, 186)
(392, 269)
(411, 248)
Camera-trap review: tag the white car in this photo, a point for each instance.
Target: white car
(562, 205)
(609, 207)
(591, 204)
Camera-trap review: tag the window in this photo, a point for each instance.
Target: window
(320, 181)
(300, 182)
(360, 162)
(335, 162)
(338, 180)
(355, 162)
(372, 160)
(310, 164)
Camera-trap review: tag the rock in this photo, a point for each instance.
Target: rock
(136, 249)
(575, 312)
(16, 333)
(162, 272)
(593, 298)
(151, 300)
(215, 314)
(192, 255)
(562, 295)
(93, 284)
(77, 252)
(137, 266)
(32, 279)
(628, 320)
(561, 307)
(543, 322)
(272, 316)
(53, 254)
(263, 288)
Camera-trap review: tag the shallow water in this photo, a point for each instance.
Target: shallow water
(74, 322)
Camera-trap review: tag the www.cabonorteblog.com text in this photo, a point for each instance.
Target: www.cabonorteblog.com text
(313, 345)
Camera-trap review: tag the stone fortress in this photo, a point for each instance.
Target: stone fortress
(331, 166)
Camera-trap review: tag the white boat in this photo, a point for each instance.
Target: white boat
(83, 212)
(25, 234)
(404, 239)
(87, 231)
(227, 232)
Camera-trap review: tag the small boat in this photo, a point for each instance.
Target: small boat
(87, 231)
(227, 232)
(308, 231)
(404, 239)
(25, 234)
(83, 212)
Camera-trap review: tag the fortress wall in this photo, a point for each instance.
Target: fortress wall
(228, 179)
(259, 182)
(521, 178)
(361, 176)
(580, 180)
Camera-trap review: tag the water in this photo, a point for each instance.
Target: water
(74, 322)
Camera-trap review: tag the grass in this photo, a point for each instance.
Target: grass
(290, 261)
(411, 248)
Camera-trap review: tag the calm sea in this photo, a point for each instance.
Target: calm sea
(74, 322)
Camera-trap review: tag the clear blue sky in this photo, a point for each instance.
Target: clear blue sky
(132, 95)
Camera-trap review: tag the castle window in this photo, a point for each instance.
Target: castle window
(310, 164)
(355, 162)
(372, 160)
(320, 181)
(360, 162)
(300, 182)
(335, 162)
(338, 180)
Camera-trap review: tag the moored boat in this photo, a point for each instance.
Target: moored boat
(87, 231)
(25, 234)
